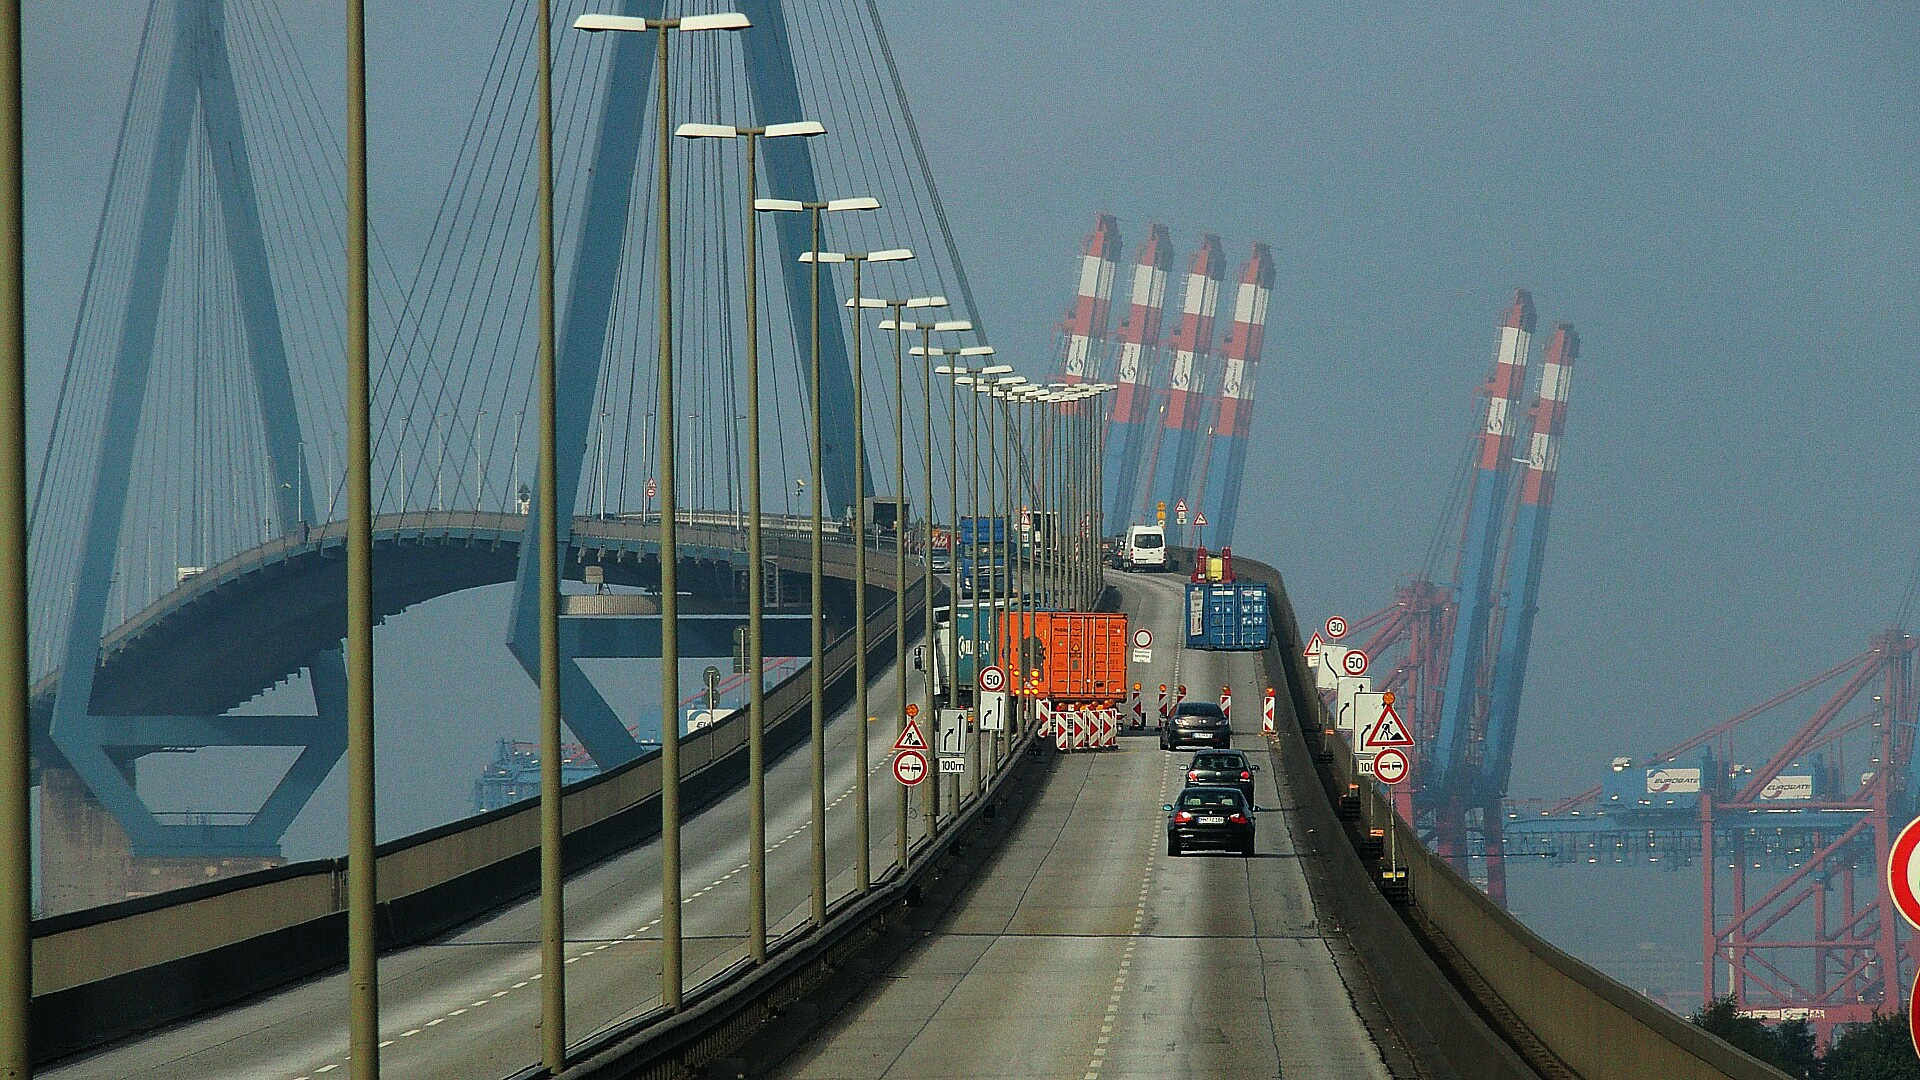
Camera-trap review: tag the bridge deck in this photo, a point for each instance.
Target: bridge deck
(1086, 952)
(467, 1006)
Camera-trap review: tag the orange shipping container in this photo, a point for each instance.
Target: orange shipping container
(1066, 656)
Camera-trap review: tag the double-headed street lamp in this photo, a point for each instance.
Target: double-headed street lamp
(816, 675)
(899, 328)
(931, 802)
(863, 858)
(967, 377)
(671, 978)
(756, 550)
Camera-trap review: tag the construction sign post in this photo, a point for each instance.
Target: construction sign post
(1266, 712)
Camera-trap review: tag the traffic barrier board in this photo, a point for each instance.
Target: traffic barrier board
(1226, 702)
(909, 767)
(1390, 766)
(1266, 712)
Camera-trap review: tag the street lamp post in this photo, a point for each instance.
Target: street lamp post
(816, 674)
(863, 857)
(756, 549)
(899, 327)
(671, 974)
(969, 377)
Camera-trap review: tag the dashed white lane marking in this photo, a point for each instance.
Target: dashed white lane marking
(522, 984)
(1108, 1021)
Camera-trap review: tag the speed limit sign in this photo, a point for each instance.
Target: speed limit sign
(1354, 663)
(1336, 627)
(993, 678)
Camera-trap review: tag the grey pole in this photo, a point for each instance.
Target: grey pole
(953, 561)
(973, 507)
(756, 585)
(553, 926)
(930, 803)
(900, 562)
(863, 858)
(363, 958)
(816, 675)
(671, 978)
(16, 839)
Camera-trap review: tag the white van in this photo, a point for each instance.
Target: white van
(1145, 548)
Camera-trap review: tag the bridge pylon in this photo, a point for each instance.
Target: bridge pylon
(198, 95)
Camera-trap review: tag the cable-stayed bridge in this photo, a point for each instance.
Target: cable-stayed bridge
(187, 524)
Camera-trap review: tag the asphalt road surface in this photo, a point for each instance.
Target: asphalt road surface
(1085, 952)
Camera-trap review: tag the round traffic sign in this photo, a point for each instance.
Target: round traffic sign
(993, 679)
(1913, 1013)
(1390, 766)
(1143, 638)
(1903, 875)
(909, 767)
(1336, 627)
(1354, 663)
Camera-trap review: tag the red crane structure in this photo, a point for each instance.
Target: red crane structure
(1795, 923)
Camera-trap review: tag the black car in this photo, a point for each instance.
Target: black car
(1196, 723)
(1228, 768)
(1215, 817)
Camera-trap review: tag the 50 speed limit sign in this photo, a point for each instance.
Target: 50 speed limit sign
(1354, 663)
(993, 678)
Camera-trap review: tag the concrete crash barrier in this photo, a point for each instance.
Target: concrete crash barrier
(111, 971)
(1563, 1016)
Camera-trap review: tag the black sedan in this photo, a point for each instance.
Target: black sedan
(1227, 768)
(1210, 817)
(1196, 723)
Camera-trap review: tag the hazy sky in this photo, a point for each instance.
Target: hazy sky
(1723, 199)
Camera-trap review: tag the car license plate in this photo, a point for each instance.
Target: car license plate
(1211, 820)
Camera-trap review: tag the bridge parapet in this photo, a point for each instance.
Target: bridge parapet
(1561, 1015)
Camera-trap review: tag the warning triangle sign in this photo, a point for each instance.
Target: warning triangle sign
(1314, 645)
(1201, 519)
(911, 739)
(1390, 731)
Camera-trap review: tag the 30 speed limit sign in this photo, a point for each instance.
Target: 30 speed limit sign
(1336, 627)
(993, 678)
(1354, 663)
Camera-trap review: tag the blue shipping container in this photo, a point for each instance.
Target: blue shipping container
(989, 530)
(1230, 616)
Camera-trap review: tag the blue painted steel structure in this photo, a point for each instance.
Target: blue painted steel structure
(775, 90)
(103, 749)
(1447, 769)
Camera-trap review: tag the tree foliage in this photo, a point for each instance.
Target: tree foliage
(1880, 1050)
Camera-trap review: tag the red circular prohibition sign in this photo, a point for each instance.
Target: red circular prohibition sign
(1899, 874)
